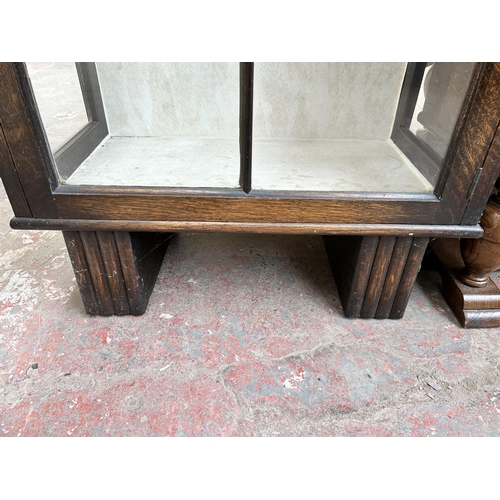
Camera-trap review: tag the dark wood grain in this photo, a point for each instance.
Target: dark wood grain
(78, 259)
(418, 152)
(482, 256)
(141, 256)
(412, 267)
(246, 209)
(247, 227)
(351, 259)
(473, 307)
(374, 275)
(471, 144)
(471, 141)
(98, 274)
(11, 181)
(486, 177)
(26, 140)
(246, 122)
(115, 271)
(393, 277)
(461, 173)
(130, 191)
(377, 276)
(72, 153)
(35, 127)
(470, 99)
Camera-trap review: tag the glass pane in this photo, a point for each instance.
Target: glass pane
(327, 127)
(439, 102)
(59, 98)
(170, 124)
(316, 126)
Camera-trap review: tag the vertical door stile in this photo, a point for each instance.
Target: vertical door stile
(246, 118)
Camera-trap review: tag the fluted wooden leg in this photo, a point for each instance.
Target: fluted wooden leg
(116, 271)
(375, 274)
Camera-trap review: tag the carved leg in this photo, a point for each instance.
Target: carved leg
(482, 256)
(467, 287)
(116, 271)
(375, 274)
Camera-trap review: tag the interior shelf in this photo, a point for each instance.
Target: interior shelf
(170, 124)
(159, 161)
(340, 165)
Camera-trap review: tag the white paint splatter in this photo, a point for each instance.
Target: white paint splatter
(165, 316)
(18, 299)
(26, 239)
(292, 382)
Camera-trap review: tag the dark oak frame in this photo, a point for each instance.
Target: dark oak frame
(431, 165)
(40, 198)
(420, 154)
(457, 199)
(72, 154)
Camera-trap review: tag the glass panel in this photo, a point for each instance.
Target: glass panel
(327, 127)
(439, 102)
(59, 98)
(316, 126)
(170, 124)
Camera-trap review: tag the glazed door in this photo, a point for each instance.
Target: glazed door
(282, 143)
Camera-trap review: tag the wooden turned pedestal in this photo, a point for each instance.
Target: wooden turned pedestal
(465, 269)
(474, 307)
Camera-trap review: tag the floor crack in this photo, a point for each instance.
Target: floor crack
(307, 353)
(223, 370)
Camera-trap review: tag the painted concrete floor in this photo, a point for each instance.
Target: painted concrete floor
(244, 336)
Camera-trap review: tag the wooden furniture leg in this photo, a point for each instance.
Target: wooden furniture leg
(467, 286)
(375, 274)
(116, 271)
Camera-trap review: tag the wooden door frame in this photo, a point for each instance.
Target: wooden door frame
(457, 201)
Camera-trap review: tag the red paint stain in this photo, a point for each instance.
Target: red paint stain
(456, 412)
(453, 366)
(103, 334)
(429, 342)
(422, 423)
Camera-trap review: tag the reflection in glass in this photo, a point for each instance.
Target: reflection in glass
(439, 102)
(59, 98)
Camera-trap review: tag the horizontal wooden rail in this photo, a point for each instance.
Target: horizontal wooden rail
(451, 231)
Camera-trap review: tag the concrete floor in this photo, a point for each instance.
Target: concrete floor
(244, 336)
